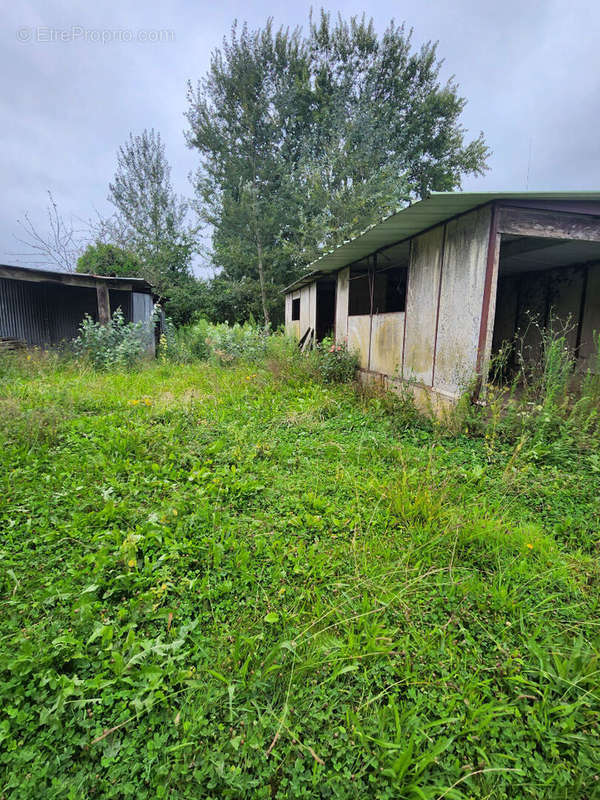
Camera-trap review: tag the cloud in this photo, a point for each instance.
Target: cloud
(529, 72)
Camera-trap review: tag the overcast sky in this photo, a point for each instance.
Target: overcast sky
(530, 71)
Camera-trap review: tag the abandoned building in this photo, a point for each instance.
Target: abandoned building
(430, 294)
(43, 308)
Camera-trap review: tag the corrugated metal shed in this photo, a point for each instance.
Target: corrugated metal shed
(73, 278)
(415, 219)
(42, 307)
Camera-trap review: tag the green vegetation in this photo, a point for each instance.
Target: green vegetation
(115, 344)
(148, 235)
(239, 582)
(306, 137)
(109, 259)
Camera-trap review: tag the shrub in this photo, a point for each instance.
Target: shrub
(334, 363)
(229, 343)
(116, 344)
(222, 343)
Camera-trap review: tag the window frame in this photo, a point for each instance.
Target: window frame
(371, 273)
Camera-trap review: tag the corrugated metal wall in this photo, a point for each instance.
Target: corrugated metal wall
(50, 313)
(141, 306)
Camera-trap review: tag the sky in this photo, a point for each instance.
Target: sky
(77, 79)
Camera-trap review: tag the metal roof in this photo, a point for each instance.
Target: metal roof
(414, 219)
(73, 278)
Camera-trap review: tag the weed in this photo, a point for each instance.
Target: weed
(238, 581)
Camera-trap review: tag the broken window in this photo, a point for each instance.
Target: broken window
(359, 292)
(296, 309)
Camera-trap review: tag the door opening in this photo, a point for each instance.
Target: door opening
(325, 308)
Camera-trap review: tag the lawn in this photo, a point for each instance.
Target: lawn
(229, 582)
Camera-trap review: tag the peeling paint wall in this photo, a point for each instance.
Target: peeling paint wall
(387, 335)
(421, 305)
(341, 305)
(461, 301)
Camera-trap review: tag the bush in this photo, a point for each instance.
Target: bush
(116, 344)
(334, 363)
(230, 343)
(222, 344)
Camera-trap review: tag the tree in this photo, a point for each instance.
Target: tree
(109, 259)
(237, 115)
(150, 222)
(143, 196)
(150, 219)
(306, 140)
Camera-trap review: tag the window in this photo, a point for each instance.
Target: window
(382, 292)
(389, 290)
(359, 292)
(295, 309)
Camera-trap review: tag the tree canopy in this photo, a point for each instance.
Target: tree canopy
(305, 139)
(148, 235)
(109, 259)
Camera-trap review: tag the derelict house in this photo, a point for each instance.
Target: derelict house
(43, 308)
(430, 294)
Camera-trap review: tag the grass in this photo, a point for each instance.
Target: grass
(237, 582)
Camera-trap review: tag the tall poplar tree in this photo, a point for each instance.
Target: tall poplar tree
(304, 140)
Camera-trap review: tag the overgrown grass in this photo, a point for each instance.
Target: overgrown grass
(238, 582)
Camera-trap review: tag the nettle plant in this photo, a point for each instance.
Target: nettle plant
(115, 344)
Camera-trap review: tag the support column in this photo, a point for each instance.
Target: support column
(103, 303)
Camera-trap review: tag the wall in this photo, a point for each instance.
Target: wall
(142, 307)
(421, 305)
(435, 342)
(341, 305)
(444, 303)
(359, 337)
(308, 310)
(45, 313)
(387, 335)
(291, 326)
(461, 301)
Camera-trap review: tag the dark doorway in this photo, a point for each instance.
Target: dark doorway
(325, 308)
(543, 292)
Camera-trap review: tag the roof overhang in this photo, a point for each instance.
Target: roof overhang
(74, 278)
(417, 218)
